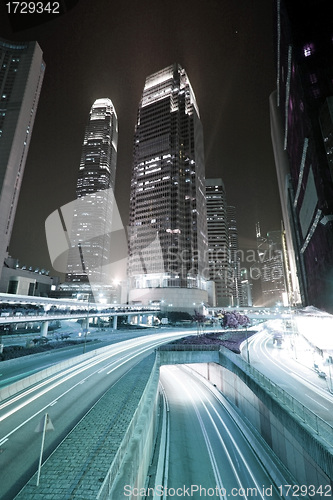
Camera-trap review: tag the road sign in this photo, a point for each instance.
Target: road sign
(48, 424)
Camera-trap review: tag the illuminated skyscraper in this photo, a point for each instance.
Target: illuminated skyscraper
(271, 267)
(168, 227)
(234, 255)
(91, 226)
(218, 242)
(21, 76)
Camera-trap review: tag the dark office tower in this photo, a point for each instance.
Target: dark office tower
(218, 242)
(91, 227)
(21, 76)
(234, 255)
(302, 128)
(168, 227)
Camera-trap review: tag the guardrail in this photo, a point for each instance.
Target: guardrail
(317, 424)
(189, 347)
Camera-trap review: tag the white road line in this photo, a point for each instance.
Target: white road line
(209, 447)
(316, 402)
(61, 395)
(203, 398)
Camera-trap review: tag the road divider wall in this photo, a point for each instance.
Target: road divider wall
(18, 386)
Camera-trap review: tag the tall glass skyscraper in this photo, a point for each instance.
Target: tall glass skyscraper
(21, 76)
(92, 221)
(218, 241)
(168, 227)
(234, 254)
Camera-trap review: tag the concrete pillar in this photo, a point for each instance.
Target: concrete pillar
(44, 328)
(85, 324)
(115, 320)
(144, 319)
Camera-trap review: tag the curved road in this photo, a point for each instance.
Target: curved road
(291, 375)
(208, 455)
(66, 397)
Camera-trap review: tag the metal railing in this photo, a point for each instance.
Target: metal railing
(308, 417)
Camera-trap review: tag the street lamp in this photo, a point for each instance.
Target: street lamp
(330, 361)
(86, 328)
(247, 346)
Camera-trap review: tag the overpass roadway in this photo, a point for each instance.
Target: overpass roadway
(29, 309)
(66, 396)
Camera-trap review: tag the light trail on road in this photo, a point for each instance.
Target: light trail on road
(66, 396)
(207, 448)
(70, 372)
(299, 381)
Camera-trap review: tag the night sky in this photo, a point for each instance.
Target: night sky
(104, 48)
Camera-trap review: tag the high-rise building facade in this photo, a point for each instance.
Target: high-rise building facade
(271, 267)
(245, 299)
(235, 263)
(218, 242)
(89, 255)
(168, 226)
(302, 128)
(21, 76)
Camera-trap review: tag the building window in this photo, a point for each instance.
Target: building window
(308, 49)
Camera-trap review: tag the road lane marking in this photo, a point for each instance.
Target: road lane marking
(67, 391)
(208, 444)
(317, 402)
(236, 447)
(317, 390)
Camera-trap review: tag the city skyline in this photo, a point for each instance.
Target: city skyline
(230, 53)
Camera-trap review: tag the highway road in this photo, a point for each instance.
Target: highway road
(66, 397)
(207, 454)
(27, 365)
(299, 380)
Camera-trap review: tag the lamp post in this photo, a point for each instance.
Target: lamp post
(86, 328)
(247, 346)
(330, 361)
